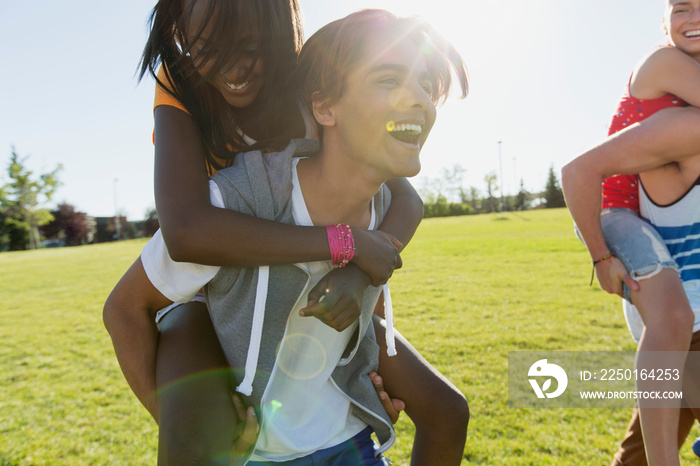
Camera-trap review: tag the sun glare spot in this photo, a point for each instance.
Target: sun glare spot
(303, 356)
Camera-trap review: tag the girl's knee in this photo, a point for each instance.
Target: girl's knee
(459, 413)
(449, 412)
(676, 325)
(683, 320)
(448, 429)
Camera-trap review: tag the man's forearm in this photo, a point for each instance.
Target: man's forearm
(581, 187)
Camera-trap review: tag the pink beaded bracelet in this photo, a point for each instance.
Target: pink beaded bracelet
(341, 244)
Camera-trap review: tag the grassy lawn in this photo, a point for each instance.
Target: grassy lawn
(472, 289)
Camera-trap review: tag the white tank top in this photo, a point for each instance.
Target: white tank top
(678, 224)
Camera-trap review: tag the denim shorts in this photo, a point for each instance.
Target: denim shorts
(636, 243)
(357, 451)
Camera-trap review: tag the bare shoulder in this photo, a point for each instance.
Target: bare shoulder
(662, 56)
(649, 80)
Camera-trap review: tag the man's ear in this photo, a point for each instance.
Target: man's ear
(322, 112)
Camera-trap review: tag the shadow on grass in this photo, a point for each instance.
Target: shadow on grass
(513, 214)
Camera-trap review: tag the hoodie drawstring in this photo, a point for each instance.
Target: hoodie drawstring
(251, 362)
(389, 318)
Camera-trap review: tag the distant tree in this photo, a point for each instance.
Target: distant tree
(522, 201)
(448, 185)
(5, 233)
(67, 224)
(508, 203)
(553, 195)
(491, 188)
(459, 208)
(429, 189)
(128, 229)
(440, 207)
(437, 208)
(452, 181)
(20, 203)
(472, 197)
(151, 225)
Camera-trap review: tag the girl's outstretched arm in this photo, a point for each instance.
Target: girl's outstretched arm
(405, 212)
(129, 316)
(195, 231)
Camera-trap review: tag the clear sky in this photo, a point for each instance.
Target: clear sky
(545, 76)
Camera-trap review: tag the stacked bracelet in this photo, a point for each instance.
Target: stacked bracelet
(604, 258)
(341, 244)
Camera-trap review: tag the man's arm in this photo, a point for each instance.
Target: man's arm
(671, 135)
(129, 316)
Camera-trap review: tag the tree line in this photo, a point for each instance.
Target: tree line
(26, 222)
(446, 195)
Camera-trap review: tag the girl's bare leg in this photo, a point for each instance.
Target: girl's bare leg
(196, 411)
(437, 408)
(668, 326)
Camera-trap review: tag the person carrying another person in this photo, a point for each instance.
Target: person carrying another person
(659, 315)
(665, 150)
(371, 81)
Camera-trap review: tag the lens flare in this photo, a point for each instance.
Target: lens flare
(303, 356)
(427, 47)
(275, 405)
(390, 126)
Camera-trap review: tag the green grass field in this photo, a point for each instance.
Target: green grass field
(472, 289)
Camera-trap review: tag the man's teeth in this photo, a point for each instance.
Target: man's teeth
(406, 128)
(405, 132)
(692, 33)
(237, 87)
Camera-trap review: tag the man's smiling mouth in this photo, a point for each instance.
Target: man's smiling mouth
(405, 132)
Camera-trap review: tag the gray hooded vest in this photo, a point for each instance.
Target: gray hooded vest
(250, 306)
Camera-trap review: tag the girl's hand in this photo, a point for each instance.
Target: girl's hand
(377, 254)
(612, 274)
(246, 429)
(392, 406)
(336, 300)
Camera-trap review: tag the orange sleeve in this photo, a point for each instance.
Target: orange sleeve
(162, 96)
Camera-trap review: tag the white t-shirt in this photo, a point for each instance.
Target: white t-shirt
(303, 410)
